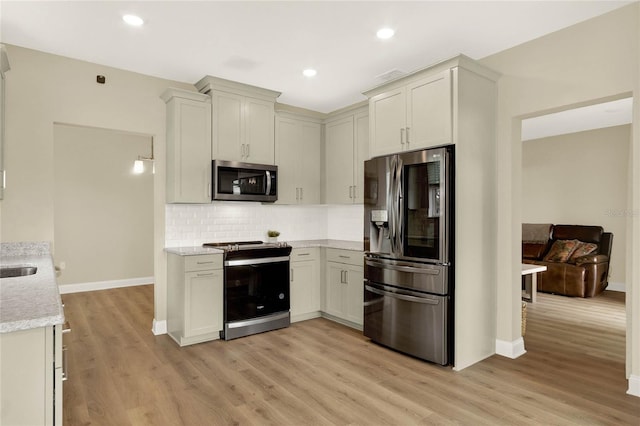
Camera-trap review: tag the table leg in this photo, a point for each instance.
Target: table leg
(534, 287)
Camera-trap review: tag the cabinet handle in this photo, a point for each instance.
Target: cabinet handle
(297, 194)
(205, 263)
(291, 275)
(248, 150)
(304, 254)
(346, 277)
(301, 194)
(408, 142)
(4, 179)
(204, 275)
(344, 257)
(242, 151)
(341, 277)
(65, 370)
(350, 196)
(355, 192)
(402, 136)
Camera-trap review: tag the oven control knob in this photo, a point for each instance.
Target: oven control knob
(281, 296)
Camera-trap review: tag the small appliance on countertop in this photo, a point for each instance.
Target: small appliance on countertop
(256, 287)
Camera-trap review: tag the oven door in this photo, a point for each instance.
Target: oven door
(408, 321)
(255, 288)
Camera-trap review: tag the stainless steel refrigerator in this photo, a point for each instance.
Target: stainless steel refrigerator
(409, 264)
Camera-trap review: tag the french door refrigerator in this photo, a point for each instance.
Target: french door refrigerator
(408, 240)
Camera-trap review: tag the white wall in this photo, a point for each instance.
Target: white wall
(580, 179)
(103, 212)
(589, 62)
(43, 89)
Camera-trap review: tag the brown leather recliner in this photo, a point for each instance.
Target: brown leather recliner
(581, 276)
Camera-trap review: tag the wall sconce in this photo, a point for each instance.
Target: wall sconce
(138, 165)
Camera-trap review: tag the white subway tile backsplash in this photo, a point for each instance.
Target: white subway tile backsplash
(193, 225)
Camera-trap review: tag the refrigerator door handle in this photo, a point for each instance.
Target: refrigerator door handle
(402, 296)
(400, 209)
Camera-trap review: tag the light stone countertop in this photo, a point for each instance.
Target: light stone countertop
(192, 251)
(338, 244)
(34, 300)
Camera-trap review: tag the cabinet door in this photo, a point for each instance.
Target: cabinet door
(355, 294)
(2, 127)
(188, 151)
(308, 161)
(387, 112)
(228, 128)
(259, 138)
(203, 293)
(287, 160)
(336, 291)
(305, 288)
(361, 154)
(339, 171)
(429, 112)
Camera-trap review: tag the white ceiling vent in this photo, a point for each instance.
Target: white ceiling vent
(390, 75)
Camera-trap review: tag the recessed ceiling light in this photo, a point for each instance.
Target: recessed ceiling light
(309, 72)
(133, 20)
(385, 33)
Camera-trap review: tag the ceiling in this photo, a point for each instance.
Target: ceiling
(269, 43)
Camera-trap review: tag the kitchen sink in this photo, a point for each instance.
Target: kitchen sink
(17, 271)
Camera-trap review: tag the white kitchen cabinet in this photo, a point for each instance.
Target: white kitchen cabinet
(298, 157)
(346, 145)
(242, 120)
(305, 284)
(31, 370)
(415, 115)
(195, 297)
(4, 67)
(344, 286)
(188, 146)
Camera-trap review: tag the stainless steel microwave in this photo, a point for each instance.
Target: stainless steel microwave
(236, 181)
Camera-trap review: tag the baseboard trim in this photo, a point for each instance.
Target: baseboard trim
(104, 285)
(634, 386)
(511, 350)
(617, 287)
(159, 327)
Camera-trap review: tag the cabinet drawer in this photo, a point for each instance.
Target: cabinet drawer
(349, 257)
(302, 254)
(202, 262)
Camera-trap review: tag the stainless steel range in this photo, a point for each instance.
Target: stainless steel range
(256, 287)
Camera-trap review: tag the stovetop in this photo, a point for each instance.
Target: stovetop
(251, 249)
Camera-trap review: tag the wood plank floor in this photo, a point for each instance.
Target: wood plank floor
(321, 373)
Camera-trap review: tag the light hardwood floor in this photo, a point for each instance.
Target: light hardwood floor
(319, 373)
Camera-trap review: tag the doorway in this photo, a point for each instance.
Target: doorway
(578, 173)
(103, 212)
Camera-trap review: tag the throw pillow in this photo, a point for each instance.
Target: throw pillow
(561, 250)
(583, 249)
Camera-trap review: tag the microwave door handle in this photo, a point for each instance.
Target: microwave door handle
(268, 191)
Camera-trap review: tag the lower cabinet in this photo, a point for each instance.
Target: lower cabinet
(305, 284)
(195, 298)
(31, 372)
(344, 294)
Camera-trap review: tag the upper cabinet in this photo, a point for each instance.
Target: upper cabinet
(421, 110)
(4, 67)
(242, 121)
(346, 149)
(298, 157)
(188, 146)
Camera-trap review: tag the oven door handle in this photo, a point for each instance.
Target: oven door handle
(245, 262)
(402, 296)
